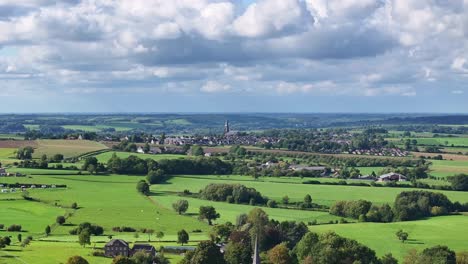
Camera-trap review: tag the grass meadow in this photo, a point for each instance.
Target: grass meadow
(112, 200)
(443, 230)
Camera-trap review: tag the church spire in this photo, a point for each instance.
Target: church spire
(226, 127)
(256, 254)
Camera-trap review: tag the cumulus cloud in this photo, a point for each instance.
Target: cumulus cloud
(279, 47)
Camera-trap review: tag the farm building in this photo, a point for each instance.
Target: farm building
(149, 249)
(392, 176)
(117, 247)
(3, 172)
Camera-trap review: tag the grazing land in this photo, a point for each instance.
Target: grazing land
(69, 148)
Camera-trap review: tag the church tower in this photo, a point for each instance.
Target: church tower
(226, 127)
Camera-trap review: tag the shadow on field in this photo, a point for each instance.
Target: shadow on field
(69, 224)
(12, 250)
(414, 242)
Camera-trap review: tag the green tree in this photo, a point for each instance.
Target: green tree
(156, 176)
(197, 151)
(77, 260)
(160, 235)
(24, 153)
(47, 230)
(150, 232)
(182, 237)
(19, 237)
(180, 206)
(279, 254)
(207, 252)
(146, 148)
(238, 252)
(438, 255)
(143, 187)
(122, 260)
(285, 199)
(60, 220)
(401, 235)
(142, 257)
(209, 213)
(388, 259)
(84, 238)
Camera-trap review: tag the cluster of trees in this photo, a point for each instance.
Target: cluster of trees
(363, 210)
(414, 205)
(25, 153)
(92, 165)
(436, 254)
(279, 242)
(136, 165)
(88, 227)
(411, 205)
(232, 193)
(459, 182)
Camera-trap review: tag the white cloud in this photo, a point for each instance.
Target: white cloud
(215, 87)
(271, 17)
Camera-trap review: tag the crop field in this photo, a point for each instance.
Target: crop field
(96, 128)
(443, 230)
(104, 157)
(69, 148)
(438, 141)
(444, 168)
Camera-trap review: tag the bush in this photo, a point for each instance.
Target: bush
(2, 226)
(92, 229)
(14, 228)
(272, 204)
(60, 220)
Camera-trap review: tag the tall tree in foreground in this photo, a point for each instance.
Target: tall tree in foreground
(207, 252)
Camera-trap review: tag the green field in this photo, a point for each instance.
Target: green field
(438, 141)
(112, 200)
(69, 148)
(321, 194)
(444, 230)
(96, 128)
(444, 168)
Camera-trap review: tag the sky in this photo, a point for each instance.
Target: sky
(234, 56)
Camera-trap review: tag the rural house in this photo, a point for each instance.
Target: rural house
(149, 249)
(117, 247)
(392, 176)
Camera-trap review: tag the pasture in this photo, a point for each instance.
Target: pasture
(69, 148)
(443, 230)
(321, 194)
